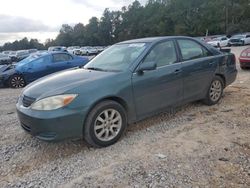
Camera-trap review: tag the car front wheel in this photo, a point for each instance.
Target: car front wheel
(17, 81)
(105, 124)
(215, 91)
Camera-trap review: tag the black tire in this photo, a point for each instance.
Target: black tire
(243, 68)
(213, 98)
(243, 43)
(90, 133)
(17, 81)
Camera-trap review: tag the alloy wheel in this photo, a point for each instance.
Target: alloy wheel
(215, 90)
(17, 82)
(108, 125)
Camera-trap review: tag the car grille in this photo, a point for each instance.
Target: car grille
(27, 101)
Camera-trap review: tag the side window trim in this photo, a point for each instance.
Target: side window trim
(202, 47)
(175, 50)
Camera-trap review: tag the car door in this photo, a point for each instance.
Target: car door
(157, 89)
(61, 61)
(198, 66)
(37, 68)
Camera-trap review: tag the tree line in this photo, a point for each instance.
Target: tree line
(156, 18)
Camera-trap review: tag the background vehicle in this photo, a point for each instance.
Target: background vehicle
(239, 40)
(31, 51)
(4, 59)
(100, 48)
(19, 55)
(57, 48)
(244, 59)
(88, 50)
(126, 83)
(6, 52)
(219, 42)
(72, 49)
(37, 66)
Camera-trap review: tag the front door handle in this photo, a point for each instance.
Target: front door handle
(177, 71)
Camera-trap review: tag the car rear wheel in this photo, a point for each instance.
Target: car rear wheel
(215, 91)
(17, 81)
(105, 124)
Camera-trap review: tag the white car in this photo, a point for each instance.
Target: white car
(240, 39)
(72, 49)
(219, 42)
(88, 50)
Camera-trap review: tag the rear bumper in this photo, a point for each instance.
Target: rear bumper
(231, 77)
(244, 62)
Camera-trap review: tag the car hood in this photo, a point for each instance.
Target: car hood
(62, 82)
(4, 68)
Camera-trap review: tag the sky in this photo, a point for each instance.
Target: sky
(42, 19)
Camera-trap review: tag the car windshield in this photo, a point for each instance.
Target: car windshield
(117, 58)
(30, 58)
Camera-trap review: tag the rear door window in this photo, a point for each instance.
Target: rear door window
(61, 57)
(192, 50)
(41, 61)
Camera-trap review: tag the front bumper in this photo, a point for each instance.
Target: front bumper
(235, 43)
(52, 125)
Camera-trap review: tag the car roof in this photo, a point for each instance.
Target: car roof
(153, 39)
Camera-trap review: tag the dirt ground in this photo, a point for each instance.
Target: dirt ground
(195, 146)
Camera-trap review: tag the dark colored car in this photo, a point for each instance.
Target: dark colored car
(126, 83)
(244, 59)
(38, 65)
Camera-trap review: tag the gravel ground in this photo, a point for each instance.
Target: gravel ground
(193, 146)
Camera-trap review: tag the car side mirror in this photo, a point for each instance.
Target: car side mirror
(147, 66)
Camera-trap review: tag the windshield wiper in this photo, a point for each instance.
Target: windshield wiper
(99, 69)
(95, 68)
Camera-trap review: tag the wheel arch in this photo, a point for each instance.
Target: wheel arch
(223, 78)
(119, 100)
(15, 74)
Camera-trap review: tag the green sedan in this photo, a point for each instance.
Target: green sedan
(127, 82)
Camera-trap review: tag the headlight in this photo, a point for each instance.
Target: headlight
(54, 102)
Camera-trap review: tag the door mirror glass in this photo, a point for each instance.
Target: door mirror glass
(147, 66)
